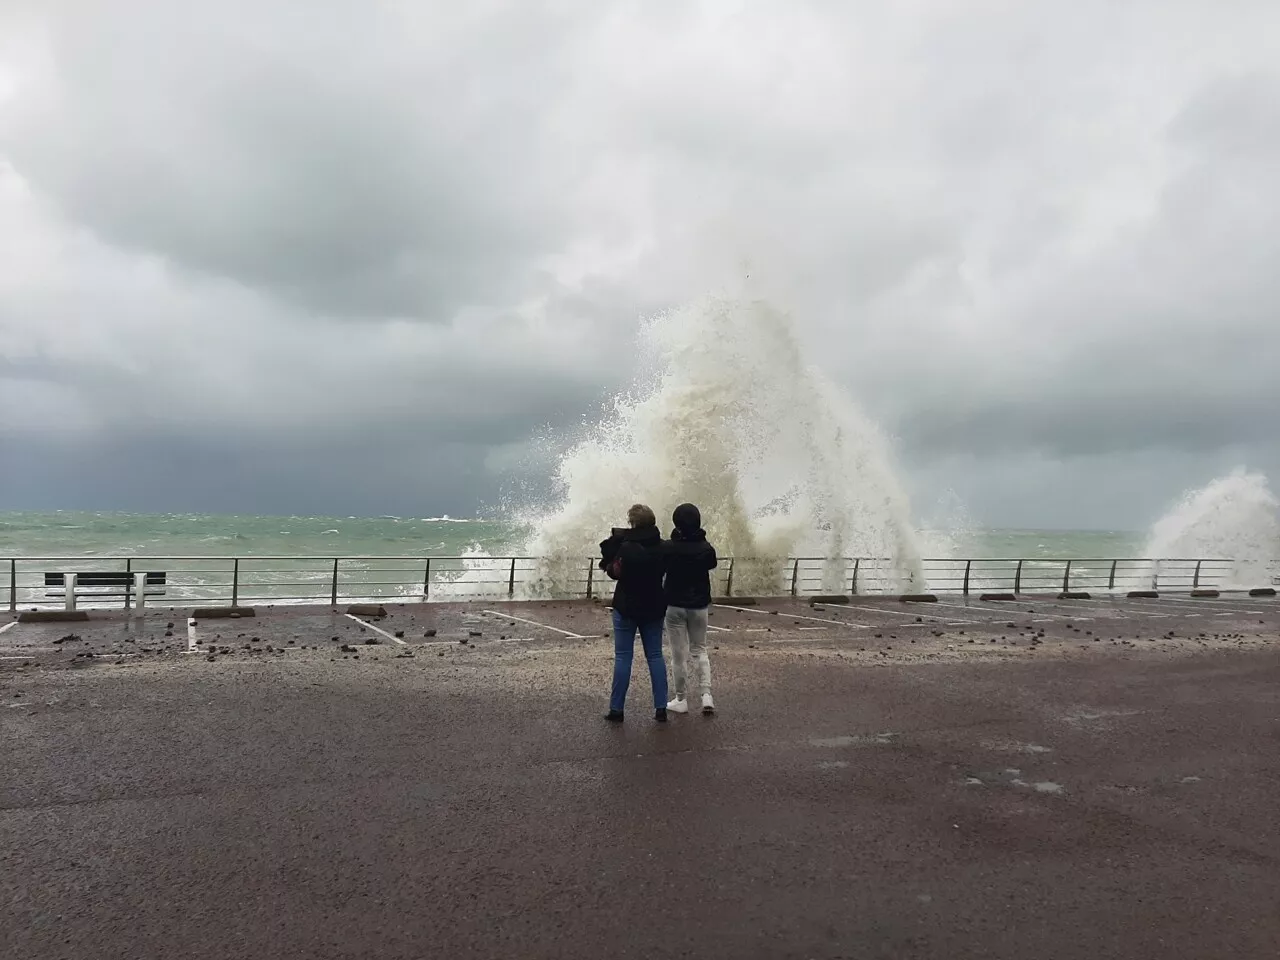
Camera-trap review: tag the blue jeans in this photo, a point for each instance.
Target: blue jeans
(624, 645)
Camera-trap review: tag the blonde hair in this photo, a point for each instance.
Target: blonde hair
(641, 516)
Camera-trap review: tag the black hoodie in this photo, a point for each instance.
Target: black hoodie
(690, 560)
(640, 556)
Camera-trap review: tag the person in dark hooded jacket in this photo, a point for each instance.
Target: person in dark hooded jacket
(634, 557)
(690, 560)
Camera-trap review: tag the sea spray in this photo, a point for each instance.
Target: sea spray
(1232, 518)
(734, 420)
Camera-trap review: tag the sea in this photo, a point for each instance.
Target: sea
(273, 559)
(73, 534)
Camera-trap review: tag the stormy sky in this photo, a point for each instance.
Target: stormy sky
(354, 256)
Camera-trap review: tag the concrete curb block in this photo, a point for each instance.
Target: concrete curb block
(53, 616)
(1075, 595)
(1144, 595)
(1263, 592)
(834, 598)
(1206, 594)
(222, 613)
(1001, 597)
(367, 610)
(918, 598)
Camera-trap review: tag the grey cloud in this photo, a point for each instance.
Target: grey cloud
(348, 172)
(284, 476)
(1036, 242)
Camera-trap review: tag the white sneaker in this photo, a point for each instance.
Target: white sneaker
(678, 706)
(708, 705)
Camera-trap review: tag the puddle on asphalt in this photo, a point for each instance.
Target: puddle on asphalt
(1010, 777)
(862, 740)
(1096, 714)
(1014, 746)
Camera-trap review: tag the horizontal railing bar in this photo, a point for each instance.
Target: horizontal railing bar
(249, 559)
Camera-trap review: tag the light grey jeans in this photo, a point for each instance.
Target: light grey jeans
(687, 635)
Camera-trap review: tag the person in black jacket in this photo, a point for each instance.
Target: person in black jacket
(634, 557)
(690, 560)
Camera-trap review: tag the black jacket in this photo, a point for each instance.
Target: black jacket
(641, 563)
(690, 560)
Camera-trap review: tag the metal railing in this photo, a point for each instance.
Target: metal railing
(204, 581)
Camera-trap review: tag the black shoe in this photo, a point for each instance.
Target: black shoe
(660, 714)
(614, 716)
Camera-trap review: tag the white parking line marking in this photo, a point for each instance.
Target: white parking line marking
(796, 616)
(534, 623)
(958, 606)
(378, 630)
(8, 626)
(892, 613)
(1205, 603)
(1048, 616)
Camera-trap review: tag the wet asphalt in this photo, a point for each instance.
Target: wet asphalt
(1044, 779)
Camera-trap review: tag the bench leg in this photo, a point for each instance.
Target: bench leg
(140, 592)
(70, 580)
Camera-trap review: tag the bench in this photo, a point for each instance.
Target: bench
(139, 586)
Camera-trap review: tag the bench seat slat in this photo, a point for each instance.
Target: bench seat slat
(103, 579)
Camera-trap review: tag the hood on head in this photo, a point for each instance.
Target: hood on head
(687, 518)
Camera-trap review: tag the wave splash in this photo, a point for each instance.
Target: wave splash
(1232, 518)
(781, 463)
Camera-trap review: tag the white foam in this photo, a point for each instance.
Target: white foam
(1233, 518)
(780, 462)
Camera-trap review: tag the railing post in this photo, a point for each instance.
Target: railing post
(13, 586)
(728, 587)
(795, 575)
(853, 587)
(69, 581)
(1066, 578)
(1195, 582)
(1111, 580)
(967, 565)
(140, 592)
(426, 580)
(128, 581)
(235, 582)
(1155, 574)
(591, 573)
(1017, 579)
(511, 581)
(333, 585)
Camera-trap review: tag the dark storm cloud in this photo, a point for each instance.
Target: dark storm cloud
(367, 475)
(1037, 241)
